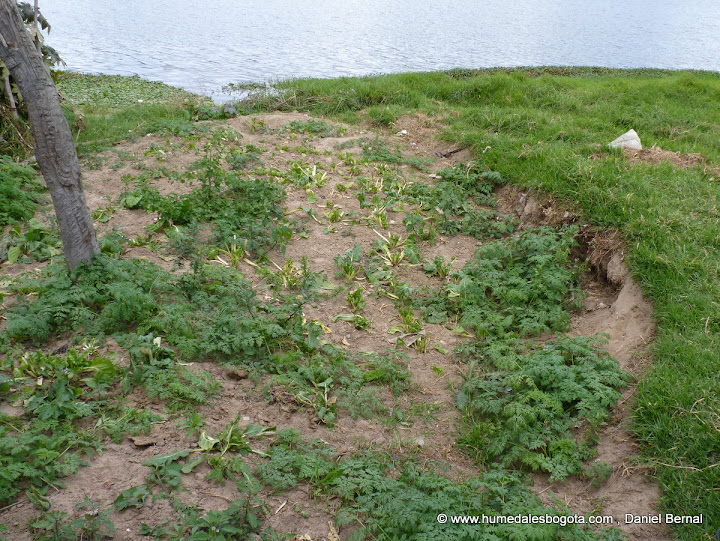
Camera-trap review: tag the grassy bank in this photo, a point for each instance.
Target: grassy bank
(544, 128)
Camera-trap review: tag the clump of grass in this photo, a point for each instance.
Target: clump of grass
(378, 151)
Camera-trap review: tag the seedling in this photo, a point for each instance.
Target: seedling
(393, 259)
(257, 124)
(233, 252)
(361, 323)
(335, 215)
(348, 262)
(103, 215)
(356, 299)
(438, 267)
(193, 423)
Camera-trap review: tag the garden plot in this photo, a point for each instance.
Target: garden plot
(307, 328)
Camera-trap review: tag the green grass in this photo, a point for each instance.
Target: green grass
(104, 109)
(540, 127)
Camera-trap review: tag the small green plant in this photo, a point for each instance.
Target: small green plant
(334, 215)
(104, 214)
(356, 299)
(193, 422)
(242, 159)
(410, 330)
(438, 267)
(257, 125)
(349, 262)
(361, 323)
(93, 525)
(318, 128)
(598, 472)
(35, 243)
(233, 252)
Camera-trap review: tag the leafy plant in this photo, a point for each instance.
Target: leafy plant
(356, 299)
(438, 267)
(36, 242)
(525, 415)
(349, 262)
(318, 128)
(359, 322)
(242, 159)
(94, 524)
(21, 190)
(598, 472)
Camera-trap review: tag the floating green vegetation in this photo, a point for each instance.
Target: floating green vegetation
(116, 91)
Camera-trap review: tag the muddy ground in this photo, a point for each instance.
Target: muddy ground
(614, 305)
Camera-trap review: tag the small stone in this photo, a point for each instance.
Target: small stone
(617, 270)
(237, 374)
(143, 441)
(402, 133)
(229, 109)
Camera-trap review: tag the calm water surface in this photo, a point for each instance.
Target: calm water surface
(204, 45)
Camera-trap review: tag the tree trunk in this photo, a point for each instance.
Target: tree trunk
(54, 145)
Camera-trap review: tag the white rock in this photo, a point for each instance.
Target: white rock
(628, 139)
(402, 133)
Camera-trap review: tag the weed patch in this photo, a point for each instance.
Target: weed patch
(245, 212)
(391, 499)
(60, 393)
(21, 190)
(526, 415)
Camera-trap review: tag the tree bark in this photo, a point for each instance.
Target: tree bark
(54, 145)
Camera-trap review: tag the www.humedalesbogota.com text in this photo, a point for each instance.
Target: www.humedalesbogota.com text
(561, 520)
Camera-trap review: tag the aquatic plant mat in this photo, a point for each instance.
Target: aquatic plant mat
(307, 329)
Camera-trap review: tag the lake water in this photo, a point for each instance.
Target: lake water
(201, 46)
